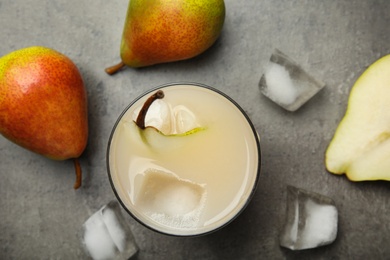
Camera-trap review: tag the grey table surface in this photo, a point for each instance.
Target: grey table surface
(335, 40)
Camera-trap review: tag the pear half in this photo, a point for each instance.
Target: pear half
(360, 147)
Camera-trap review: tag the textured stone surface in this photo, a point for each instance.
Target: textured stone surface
(41, 215)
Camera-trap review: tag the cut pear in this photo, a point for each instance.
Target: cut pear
(360, 147)
(150, 121)
(151, 138)
(159, 116)
(167, 119)
(373, 165)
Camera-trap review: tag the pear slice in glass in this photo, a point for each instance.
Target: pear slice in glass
(152, 138)
(159, 116)
(180, 122)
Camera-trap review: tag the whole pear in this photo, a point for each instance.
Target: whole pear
(159, 31)
(43, 104)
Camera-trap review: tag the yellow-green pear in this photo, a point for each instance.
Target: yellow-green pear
(159, 31)
(43, 104)
(360, 147)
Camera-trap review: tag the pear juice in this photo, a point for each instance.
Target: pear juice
(194, 170)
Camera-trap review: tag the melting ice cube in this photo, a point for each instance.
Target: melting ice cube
(185, 120)
(311, 220)
(106, 234)
(171, 201)
(286, 83)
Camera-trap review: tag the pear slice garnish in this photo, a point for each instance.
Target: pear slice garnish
(181, 123)
(156, 140)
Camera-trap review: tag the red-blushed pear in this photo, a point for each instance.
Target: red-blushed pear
(157, 31)
(360, 147)
(43, 104)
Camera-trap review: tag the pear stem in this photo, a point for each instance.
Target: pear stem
(77, 167)
(142, 114)
(114, 69)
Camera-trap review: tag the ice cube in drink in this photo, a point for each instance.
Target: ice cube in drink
(171, 201)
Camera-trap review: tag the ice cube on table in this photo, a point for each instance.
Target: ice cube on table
(286, 83)
(311, 220)
(106, 235)
(171, 201)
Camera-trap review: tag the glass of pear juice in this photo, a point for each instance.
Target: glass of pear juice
(193, 168)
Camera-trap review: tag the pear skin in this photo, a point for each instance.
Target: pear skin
(43, 103)
(165, 31)
(360, 147)
(152, 139)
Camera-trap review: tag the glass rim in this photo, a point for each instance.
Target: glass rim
(255, 135)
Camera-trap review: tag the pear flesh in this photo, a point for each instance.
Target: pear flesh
(360, 147)
(169, 120)
(154, 140)
(165, 126)
(159, 127)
